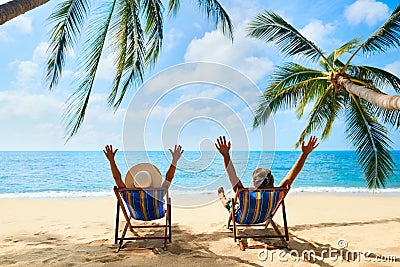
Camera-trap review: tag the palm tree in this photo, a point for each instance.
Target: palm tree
(135, 31)
(14, 8)
(336, 88)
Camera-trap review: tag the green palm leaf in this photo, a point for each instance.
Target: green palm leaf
(119, 34)
(289, 84)
(292, 73)
(346, 48)
(93, 48)
(68, 18)
(173, 7)
(377, 77)
(153, 11)
(391, 117)
(135, 63)
(315, 88)
(294, 86)
(262, 112)
(272, 28)
(214, 10)
(371, 142)
(323, 114)
(386, 36)
(333, 58)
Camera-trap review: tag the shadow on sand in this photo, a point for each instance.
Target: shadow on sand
(198, 249)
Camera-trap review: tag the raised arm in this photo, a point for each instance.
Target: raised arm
(223, 147)
(305, 151)
(176, 155)
(110, 155)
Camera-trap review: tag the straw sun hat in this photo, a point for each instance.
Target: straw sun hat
(143, 175)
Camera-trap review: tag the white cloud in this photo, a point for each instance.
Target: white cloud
(369, 11)
(33, 106)
(22, 23)
(393, 68)
(28, 75)
(4, 36)
(219, 97)
(30, 72)
(240, 10)
(39, 54)
(172, 38)
(245, 54)
(34, 122)
(197, 26)
(318, 32)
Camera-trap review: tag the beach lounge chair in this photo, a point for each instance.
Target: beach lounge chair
(257, 207)
(143, 205)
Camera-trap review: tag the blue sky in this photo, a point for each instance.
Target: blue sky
(31, 116)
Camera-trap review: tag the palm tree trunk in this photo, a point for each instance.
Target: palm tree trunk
(15, 8)
(391, 102)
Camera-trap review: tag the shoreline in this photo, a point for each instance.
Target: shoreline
(48, 195)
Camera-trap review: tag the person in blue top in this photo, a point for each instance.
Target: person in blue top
(262, 177)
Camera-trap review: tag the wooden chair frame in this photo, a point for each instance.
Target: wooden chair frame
(238, 236)
(121, 205)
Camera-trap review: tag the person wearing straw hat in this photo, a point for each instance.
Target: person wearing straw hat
(143, 175)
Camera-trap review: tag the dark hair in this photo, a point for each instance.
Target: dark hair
(263, 178)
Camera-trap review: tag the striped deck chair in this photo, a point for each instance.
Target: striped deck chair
(142, 205)
(257, 207)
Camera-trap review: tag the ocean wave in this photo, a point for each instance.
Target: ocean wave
(187, 193)
(58, 194)
(326, 189)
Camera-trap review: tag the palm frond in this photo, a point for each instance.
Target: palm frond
(288, 86)
(386, 36)
(120, 28)
(153, 12)
(215, 11)
(291, 77)
(292, 73)
(333, 58)
(315, 87)
(173, 7)
(376, 77)
(262, 113)
(135, 62)
(68, 19)
(387, 116)
(323, 114)
(275, 99)
(93, 48)
(371, 143)
(346, 48)
(272, 28)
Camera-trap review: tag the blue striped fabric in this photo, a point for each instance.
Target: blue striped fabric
(256, 206)
(145, 205)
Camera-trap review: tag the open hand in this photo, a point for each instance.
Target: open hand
(109, 152)
(176, 154)
(311, 145)
(222, 146)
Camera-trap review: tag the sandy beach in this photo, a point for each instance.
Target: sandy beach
(80, 232)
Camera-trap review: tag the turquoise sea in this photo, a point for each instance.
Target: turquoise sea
(48, 174)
